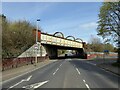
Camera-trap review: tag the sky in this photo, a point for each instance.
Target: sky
(78, 19)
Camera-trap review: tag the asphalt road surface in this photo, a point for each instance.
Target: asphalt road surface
(69, 73)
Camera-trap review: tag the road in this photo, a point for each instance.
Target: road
(69, 73)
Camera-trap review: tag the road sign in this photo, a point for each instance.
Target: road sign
(36, 46)
(106, 51)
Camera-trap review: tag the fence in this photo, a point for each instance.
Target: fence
(99, 55)
(9, 63)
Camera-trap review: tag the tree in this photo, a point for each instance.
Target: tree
(109, 47)
(6, 41)
(109, 22)
(95, 45)
(17, 37)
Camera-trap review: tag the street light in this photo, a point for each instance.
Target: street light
(36, 42)
(37, 31)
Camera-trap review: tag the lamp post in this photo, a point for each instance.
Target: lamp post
(36, 46)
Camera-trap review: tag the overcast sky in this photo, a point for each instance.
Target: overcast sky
(77, 19)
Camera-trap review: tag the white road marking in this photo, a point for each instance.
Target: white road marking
(60, 65)
(40, 84)
(15, 84)
(84, 81)
(91, 63)
(55, 71)
(87, 86)
(21, 81)
(109, 72)
(78, 71)
(36, 85)
(29, 78)
(104, 69)
(74, 65)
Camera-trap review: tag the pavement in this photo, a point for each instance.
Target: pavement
(11, 73)
(66, 73)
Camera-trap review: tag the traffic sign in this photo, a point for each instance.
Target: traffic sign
(106, 51)
(36, 46)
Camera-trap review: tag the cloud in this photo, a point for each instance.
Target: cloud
(89, 25)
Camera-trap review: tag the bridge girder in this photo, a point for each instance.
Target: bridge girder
(71, 37)
(78, 39)
(62, 35)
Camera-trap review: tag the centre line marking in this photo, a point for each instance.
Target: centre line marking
(60, 65)
(87, 86)
(84, 81)
(74, 65)
(55, 71)
(78, 71)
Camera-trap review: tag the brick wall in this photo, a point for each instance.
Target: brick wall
(9, 63)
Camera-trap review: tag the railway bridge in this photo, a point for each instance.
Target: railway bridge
(53, 42)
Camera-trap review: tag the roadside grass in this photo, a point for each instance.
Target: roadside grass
(116, 64)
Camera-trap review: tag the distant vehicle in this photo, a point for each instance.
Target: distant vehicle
(66, 55)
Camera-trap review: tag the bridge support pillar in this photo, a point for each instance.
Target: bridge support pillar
(51, 51)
